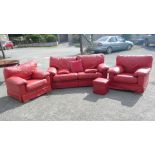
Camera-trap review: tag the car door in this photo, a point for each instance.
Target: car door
(113, 43)
(121, 43)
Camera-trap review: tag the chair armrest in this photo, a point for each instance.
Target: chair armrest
(142, 72)
(116, 70)
(102, 67)
(14, 80)
(52, 70)
(40, 74)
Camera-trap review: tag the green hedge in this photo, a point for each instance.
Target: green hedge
(40, 38)
(50, 38)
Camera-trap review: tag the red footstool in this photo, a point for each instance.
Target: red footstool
(100, 86)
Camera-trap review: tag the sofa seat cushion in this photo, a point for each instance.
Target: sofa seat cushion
(83, 75)
(125, 78)
(63, 71)
(65, 77)
(35, 84)
(90, 70)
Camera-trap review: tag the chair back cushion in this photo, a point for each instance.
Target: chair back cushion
(134, 62)
(91, 61)
(61, 62)
(24, 70)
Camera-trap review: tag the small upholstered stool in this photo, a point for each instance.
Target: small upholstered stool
(100, 86)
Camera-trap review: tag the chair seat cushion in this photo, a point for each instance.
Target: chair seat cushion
(83, 75)
(35, 84)
(125, 78)
(65, 77)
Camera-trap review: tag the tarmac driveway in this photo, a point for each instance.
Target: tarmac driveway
(78, 103)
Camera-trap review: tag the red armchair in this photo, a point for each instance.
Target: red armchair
(131, 73)
(25, 82)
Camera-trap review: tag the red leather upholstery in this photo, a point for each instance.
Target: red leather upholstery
(76, 66)
(52, 71)
(61, 62)
(35, 84)
(63, 71)
(100, 86)
(142, 72)
(125, 78)
(132, 63)
(25, 82)
(91, 61)
(83, 75)
(116, 70)
(102, 67)
(65, 77)
(39, 75)
(77, 79)
(90, 70)
(24, 70)
(131, 73)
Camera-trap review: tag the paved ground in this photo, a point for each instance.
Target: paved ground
(78, 103)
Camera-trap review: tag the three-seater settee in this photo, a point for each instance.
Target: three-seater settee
(76, 71)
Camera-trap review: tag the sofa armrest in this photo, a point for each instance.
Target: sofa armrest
(14, 80)
(40, 74)
(102, 67)
(142, 72)
(116, 70)
(52, 70)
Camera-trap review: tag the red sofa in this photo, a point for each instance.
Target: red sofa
(25, 82)
(76, 71)
(131, 73)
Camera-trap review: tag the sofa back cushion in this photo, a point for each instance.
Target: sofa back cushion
(24, 70)
(76, 66)
(91, 61)
(61, 62)
(134, 62)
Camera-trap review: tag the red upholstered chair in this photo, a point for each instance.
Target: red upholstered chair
(131, 73)
(25, 82)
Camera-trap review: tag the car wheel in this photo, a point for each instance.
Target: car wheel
(109, 50)
(129, 47)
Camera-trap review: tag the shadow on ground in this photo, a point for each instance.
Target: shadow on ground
(8, 103)
(126, 98)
